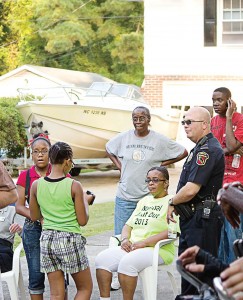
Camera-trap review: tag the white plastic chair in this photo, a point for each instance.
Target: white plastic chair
(149, 276)
(14, 278)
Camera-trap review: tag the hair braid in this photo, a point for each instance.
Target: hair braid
(59, 152)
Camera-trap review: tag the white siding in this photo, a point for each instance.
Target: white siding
(174, 42)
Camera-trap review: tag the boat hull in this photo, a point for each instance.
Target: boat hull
(88, 128)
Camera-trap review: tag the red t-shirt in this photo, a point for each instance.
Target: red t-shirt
(218, 127)
(33, 176)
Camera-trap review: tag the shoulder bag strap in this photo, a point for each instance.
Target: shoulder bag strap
(27, 186)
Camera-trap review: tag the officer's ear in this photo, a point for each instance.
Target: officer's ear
(205, 124)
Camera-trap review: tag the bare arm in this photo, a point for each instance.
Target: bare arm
(151, 241)
(20, 204)
(115, 160)
(185, 194)
(230, 198)
(125, 236)
(8, 193)
(80, 204)
(8, 197)
(232, 143)
(171, 161)
(35, 213)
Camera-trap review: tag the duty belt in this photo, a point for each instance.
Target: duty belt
(196, 206)
(200, 205)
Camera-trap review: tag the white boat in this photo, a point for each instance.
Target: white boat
(87, 119)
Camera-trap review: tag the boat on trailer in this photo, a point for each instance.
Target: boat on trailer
(87, 118)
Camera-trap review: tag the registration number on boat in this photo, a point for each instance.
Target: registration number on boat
(94, 112)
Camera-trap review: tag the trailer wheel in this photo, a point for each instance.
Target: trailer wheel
(75, 171)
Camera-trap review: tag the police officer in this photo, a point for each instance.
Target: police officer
(195, 200)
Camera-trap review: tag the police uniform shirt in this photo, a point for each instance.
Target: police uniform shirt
(204, 166)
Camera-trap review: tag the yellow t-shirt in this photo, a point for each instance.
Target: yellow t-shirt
(148, 219)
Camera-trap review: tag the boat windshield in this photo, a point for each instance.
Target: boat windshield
(98, 89)
(105, 89)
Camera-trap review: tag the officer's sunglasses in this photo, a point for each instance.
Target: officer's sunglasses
(188, 122)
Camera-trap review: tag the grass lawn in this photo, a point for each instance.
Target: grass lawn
(101, 219)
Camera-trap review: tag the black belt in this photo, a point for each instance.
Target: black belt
(200, 205)
(6, 243)
(196, 206)
(29, 221)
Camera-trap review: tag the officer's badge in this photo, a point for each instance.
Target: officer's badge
(202, 157)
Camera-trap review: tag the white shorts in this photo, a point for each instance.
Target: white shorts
(129, 263)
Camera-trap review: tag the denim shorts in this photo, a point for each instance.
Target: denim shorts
(123, 211)
(31, 243)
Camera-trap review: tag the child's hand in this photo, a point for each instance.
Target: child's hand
(15, 227)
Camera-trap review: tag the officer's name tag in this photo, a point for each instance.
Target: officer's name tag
(2, 219)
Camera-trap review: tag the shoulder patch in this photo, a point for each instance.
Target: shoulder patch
(202, 157)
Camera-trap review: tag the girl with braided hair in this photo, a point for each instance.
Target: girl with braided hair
(61, 203)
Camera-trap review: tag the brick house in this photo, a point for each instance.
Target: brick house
(192, 47)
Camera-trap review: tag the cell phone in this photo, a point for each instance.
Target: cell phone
(238, 248)
(222, 293)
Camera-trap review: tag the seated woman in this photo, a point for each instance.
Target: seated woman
(7, 232)
(146, 226)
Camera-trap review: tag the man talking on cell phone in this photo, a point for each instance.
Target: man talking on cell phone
(227, 127)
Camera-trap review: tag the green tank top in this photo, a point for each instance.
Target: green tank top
(57, 206)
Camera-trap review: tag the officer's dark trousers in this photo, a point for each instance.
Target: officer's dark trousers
(204, 233)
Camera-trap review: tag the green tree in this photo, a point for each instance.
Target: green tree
(101, 36)
(8, 48)
(12, 132)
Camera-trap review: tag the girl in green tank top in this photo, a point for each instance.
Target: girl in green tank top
(60, 201)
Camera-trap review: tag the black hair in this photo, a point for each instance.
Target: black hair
(59, 152)
(38, 137)
(147, 112)
(162, 170)
(224, 91)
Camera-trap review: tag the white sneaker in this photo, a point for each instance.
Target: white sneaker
(115, 284)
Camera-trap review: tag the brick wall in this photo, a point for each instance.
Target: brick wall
(152, 88)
